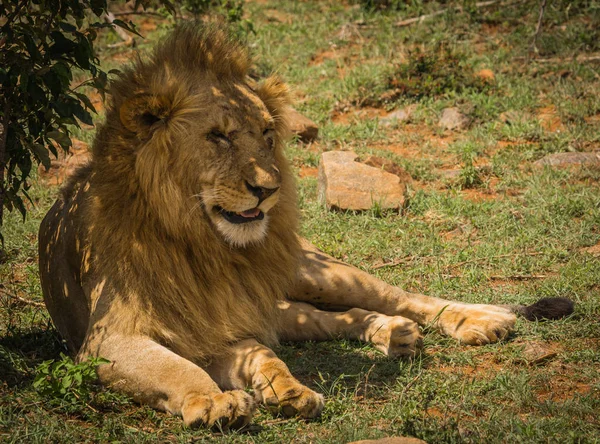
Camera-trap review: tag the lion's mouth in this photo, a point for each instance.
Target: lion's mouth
(241, 218)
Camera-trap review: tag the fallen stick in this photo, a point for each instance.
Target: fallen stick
(394, 262)
(424, 17)
(21, 299)
(538, 28)
(578, 58)
(498, 277)
(480, 259)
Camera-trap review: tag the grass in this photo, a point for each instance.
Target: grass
(498, 231)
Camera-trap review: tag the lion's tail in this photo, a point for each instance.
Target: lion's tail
(545, 308)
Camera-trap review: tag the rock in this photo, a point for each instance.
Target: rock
(487, 75)
(306, 129)
(399, 115)
(350, 185)
(570, 159)
(453, 119)
(65, 164)
(391, 440)
(538, 352)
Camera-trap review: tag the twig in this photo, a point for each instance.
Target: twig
(498, 277)
(406, 259)
(538, 28)
(424, 17)
(127, 39)
(277, 421)
(394, 262)
(367, 381)
(517, 277)
(120, 14)
(577, 58)
(480, 259)
(407, 388)
(21, 299)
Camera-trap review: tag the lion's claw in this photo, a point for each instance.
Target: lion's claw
(395, 336)
(476, 324)
(223, 411)
(293, 400)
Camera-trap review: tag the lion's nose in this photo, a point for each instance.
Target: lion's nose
(261, 192)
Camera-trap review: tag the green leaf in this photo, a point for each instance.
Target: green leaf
(61, 138)
(63, 72)
(85, 99)
(82, 114)
(41, 153)
(127, 26)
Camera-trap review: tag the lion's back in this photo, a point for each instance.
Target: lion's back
(62, 252)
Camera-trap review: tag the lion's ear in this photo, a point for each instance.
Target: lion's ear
(274, 93)
(144, 112)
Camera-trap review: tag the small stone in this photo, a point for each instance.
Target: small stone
(453, 119)
(302, 126)
(486, 75)
(398, 116)
(538, 352)
(349, 185)
(570, 159)
(391, 440)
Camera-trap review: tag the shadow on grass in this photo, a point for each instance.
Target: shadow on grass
(21, 351)
(346, 366)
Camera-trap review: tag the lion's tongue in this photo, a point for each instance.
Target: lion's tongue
(250, 213)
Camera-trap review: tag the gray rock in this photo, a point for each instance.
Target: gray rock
(453, 119)
(398, 116)
(570, 159)
(350, 185)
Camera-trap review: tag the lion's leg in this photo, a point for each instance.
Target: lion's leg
(393, 335)
(156, 376)
(324, 281)
(250, 364)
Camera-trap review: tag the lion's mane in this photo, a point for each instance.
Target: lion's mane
(173, 277)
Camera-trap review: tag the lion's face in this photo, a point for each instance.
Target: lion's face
(224, 155)
(238, 179)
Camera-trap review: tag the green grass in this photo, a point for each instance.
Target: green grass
(502, 231)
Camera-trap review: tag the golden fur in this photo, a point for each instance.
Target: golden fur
(175, 253)
(150, 233)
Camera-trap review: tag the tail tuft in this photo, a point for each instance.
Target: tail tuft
(547, 308)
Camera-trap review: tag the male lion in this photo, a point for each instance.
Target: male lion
(175, 255)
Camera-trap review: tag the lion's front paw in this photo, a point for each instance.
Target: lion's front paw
(476, 324)
(293, 399)
(395, 336)
(229, 410)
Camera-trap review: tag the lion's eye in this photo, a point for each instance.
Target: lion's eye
(218, 137)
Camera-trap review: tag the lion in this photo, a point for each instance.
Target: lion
(175, 253)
